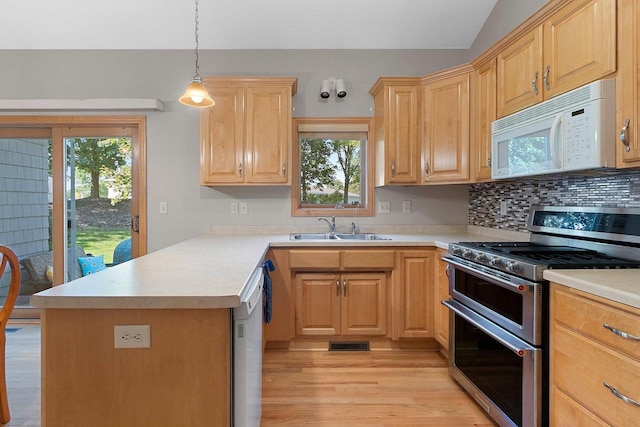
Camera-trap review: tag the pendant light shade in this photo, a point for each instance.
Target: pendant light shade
(196, 94)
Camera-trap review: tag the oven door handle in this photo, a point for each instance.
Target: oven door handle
(517, 287)
(513, 343)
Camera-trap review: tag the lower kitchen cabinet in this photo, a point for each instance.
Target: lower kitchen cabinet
(332, 304)
(413, 295)
(590, 358)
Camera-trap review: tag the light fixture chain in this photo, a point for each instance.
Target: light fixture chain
(197, 76)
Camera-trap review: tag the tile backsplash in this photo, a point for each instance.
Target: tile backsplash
(600, 190)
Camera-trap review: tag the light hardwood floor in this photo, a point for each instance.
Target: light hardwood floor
(373, 389)
(310, 388)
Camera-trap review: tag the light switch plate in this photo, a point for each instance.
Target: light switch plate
(384, 207)
(406, 206)
(244, 208)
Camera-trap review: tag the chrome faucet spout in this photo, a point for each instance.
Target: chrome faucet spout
(331, 224)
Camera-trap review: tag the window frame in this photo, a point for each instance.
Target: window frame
(367, 209)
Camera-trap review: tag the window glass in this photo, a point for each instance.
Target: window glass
(332, 159)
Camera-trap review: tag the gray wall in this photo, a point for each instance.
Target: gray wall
(172, 136)
(505, 16)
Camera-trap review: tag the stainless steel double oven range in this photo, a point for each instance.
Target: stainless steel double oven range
(499, 306)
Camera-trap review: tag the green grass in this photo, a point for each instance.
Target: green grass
(101, 242)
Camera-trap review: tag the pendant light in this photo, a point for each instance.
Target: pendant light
(196, 94)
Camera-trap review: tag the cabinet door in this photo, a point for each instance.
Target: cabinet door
(363, 304)
(484, 112)
(318, 304)
(441, 313)
(519, 74)
(628, 84)
(413, 295)
(268, 135)
(446, 129)
(579, 45)
(222, 134)
(403, 130)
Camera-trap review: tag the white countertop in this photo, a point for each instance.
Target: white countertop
(204, 272)
(622, 286)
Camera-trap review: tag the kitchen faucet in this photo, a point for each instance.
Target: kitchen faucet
(331, 224)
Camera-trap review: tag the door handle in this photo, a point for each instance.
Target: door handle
(344, 287)
(135, 223)
(545, 78)
(534, 83)
(337, 288)
(623, 135)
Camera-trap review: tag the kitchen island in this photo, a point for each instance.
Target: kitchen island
(186, 294)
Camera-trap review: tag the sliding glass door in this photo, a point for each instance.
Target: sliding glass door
(70, 197)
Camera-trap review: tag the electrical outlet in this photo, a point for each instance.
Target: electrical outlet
(132, 336)
(406, 206)
(504, 209)
(384, 207)
(244, 208)
(163, 207)
(234, 208)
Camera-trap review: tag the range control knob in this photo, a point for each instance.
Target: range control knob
(512, 266)
(467, 253)
(495, 261)
(456, 250)
(481, 257)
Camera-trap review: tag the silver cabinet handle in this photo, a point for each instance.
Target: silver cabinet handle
(620, 333)
(393, 169)
(545, 78)
(534, 83)
(240, 168)
(284, 169)
(426, 169)
(489, 162)
(619, 395)
(344, 287)
(337, 288)
(623, 135)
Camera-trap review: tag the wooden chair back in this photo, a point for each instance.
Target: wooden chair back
(7, 258)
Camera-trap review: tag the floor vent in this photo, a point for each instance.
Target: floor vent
(349, 346)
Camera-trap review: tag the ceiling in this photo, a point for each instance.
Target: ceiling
(242, 24)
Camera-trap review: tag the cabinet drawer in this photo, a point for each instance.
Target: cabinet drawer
(367, 260)
(588, 316)
(581, 366)
(314, 260)
(566, 412)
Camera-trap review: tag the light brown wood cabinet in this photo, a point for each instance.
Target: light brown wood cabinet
(341, 292)
(628, 84)
(574, 46)
(446, 126)
(413, 295)
(483, 113)
(588, 358)
(245, 138)
(441, 313)
(333, 304)
(397, 130)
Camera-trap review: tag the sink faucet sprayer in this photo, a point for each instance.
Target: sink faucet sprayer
(331, 224)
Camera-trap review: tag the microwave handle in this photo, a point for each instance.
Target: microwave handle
(555, 127)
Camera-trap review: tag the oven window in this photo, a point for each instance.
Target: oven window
(500, 300)
(493, 368)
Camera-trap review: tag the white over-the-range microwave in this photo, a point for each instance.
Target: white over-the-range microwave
(571, 132)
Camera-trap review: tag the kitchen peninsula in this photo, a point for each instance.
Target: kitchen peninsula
(185, 293)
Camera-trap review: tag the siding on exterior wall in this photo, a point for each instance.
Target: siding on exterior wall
(604, 191)
(24, 212)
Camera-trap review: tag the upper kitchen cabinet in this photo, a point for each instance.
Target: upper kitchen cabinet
(483, 113)
(446, 126)
(574, 46)
(627, 84)
(245, 137)
(397, 130)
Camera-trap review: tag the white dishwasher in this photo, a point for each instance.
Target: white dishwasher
(247, 354)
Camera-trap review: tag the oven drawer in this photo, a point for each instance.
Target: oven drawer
(580, 369)
(578, 311)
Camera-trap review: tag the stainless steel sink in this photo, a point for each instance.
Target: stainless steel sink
(337, 236)
(312, 236)
(361, 236)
